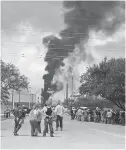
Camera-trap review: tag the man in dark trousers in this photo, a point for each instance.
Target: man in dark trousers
(44, 110)
(19, 115)
(48, 121)
(7, 112)
(71, 112)
(59, 111)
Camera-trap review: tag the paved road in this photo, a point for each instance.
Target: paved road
(76, 135)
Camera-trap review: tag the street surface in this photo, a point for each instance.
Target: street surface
(75, 135)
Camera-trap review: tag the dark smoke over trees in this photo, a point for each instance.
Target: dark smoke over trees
(80, 18)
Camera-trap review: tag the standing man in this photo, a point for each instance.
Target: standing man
(33, 121)
(74, 112)
(39, 118)
(7, 112)
(59, 111)
(19, 116)
(48, 119)
(71, 113)
(79, 113)
(109, 116)
(44, 115)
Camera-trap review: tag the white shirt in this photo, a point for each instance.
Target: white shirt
(44, 110)
(33, 114)
(109, 114)
(79, 112)
(59, 110)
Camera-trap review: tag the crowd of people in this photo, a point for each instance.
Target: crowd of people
(98, 115)
(7, 113)
(47, 114)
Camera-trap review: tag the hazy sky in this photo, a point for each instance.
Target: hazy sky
(25, 23)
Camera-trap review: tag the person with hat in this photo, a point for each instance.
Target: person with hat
(48, 121)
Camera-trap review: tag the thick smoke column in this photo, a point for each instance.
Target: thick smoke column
(92, 15)
(80, 18)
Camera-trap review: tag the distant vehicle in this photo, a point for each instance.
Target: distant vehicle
(83, 107)
(92, 108)
(106, 109)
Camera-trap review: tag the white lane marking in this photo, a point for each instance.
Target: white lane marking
(113, 134)
(102, 131)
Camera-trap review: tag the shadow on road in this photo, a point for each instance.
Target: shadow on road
(40, 136)
(64, 130)
(24, 135)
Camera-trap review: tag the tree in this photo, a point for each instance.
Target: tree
(106, 79)
(4, 94)
(11, 79)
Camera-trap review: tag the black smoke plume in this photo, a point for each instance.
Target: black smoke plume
(80, 18)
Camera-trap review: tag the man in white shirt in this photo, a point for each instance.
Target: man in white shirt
(59, 111)
(109, 116)
(79, 113)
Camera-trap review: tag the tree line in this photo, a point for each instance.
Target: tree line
(106, 79)
(11, 79)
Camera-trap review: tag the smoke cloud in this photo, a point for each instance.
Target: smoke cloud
(80, 17)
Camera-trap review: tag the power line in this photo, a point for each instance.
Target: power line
(20, 42)
(46, 57)
(15, 29)
(24, 55)
(74, 36)
(58, 48)
(82, 18)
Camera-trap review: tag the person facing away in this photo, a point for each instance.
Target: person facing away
(109, 116)
(44, 109)
(48, 119)
(39, 118)
(59, 111)
(33, 120)
(79, 113)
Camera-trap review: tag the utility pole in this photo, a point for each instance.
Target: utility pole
(19, 96)
(41, 96)
(72, 85)
(12, 99)
(67, 93)
(29, 101)
(32, 99)
(29, 97)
